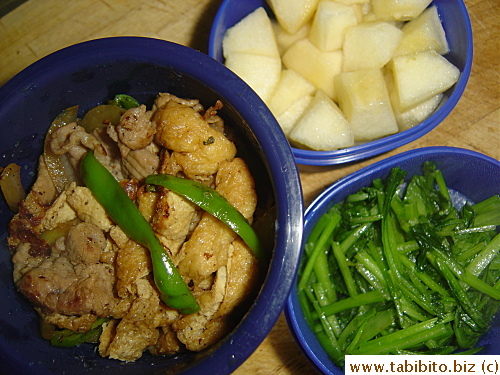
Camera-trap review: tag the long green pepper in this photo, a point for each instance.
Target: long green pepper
(214, 203)
(108, 192)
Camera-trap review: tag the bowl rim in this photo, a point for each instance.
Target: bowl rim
(293, 313)
(372, 148)
(282, 169)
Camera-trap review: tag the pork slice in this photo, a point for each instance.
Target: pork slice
(87, 208)
(85, 243)
(235, 182)
(56, 285)
(141, 163)
(192, 329)
(197, 147)
(81, 323)
(72, 140)
(243, 276)
(135, 129)
(173, 219)
(138, 329)
(133, 262)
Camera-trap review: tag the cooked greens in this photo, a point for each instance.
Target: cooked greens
(396, 269)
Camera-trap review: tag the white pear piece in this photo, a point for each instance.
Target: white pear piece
(322, 126)
(364, 100)
(316, 66)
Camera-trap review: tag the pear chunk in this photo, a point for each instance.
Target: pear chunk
(420, 76)
(322, 126)
(398, 10)
(415, 115)
(261, 73)
(290, 88)
(364, 100)
(422, 34)
(253, 34)
(370, 45)
(289, 117)
(329, 24)
(284, 39)
(292, 15)
(316, 66)
(352, 2)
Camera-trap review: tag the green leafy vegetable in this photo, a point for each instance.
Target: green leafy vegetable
(396, 269)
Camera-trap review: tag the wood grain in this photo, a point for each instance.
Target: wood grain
(39, 27)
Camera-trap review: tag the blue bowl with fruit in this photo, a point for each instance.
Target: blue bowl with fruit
(313, 66)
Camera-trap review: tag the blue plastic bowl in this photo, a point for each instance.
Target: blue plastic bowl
(470, 175)
(456, 22)
(89, 74)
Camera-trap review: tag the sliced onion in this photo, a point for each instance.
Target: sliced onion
(102, 116)
(12, 188)
(60, 170)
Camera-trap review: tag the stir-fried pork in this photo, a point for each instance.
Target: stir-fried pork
(75, 265)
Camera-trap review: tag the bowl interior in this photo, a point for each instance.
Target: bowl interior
(472, 177)
(456, 22)
(92, 73)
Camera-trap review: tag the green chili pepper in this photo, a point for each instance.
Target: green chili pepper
(67, 338)
(125, 101)
(214, 203)
(108, 192)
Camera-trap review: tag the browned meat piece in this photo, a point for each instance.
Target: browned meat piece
(192, 329)
(24, 260)
(74, 141)
(132, 263)
(138, 329)
(85, 243)
(243, 275)
(56, 285)
(81, 323)
(197, 148)
(207, 248)
(31, 213)
(110, 155)
(212, 118)
(141, 163)
(135, 129)
(174, 219)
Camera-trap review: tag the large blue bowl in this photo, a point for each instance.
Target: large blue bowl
(471, 176)
(91, 73)
(456, 23)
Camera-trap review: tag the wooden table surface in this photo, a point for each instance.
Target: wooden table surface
(39, 27)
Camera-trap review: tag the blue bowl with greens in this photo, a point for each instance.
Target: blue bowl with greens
(469, 178)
